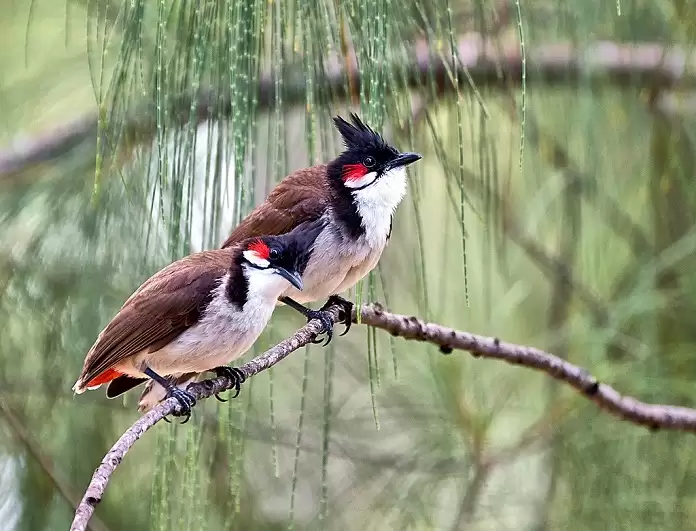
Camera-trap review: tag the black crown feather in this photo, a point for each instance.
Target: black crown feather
(358, 135)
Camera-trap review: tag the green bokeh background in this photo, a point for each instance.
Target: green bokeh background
(585, 247)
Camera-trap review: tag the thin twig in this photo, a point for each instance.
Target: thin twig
(472, 495)
(170, 406)
(653, 416)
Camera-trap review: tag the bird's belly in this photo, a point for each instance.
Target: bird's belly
(359, 271)
(334, 268)
(200, 348)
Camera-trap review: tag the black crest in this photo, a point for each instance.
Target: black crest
(358, 135)
(297, 245)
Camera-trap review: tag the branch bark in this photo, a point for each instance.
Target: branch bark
(170, 406)
(647, 64)
(654, 416)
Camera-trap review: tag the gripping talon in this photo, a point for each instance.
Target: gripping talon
(217, 396)
(234, 374)
(346, 313)
(186, 401)
(327, 324)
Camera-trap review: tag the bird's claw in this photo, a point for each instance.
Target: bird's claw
(327, 324)
(234, 374)
(186, 401)
(345, 315)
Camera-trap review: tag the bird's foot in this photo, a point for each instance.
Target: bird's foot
(345, 315)
(325, 317)
(235, 375)
(327, 323)
(186, 401)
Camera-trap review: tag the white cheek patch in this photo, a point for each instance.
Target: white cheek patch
(366, 179)
(253, 258)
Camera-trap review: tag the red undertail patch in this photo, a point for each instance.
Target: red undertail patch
(105, 377)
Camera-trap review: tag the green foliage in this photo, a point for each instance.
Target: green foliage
(580, 241)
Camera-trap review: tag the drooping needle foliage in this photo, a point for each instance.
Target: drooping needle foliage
(554, 206)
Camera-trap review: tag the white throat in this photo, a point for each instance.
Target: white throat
(377, 202)
(264, 285)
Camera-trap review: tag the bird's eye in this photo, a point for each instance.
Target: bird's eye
(274, 254)
(369, 162)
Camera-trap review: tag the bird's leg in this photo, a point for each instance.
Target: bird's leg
(186, 400)
(346, 315)
(324, 316)
(234, 374)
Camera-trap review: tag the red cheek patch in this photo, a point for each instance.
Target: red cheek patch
(260, 248)
(353, 172)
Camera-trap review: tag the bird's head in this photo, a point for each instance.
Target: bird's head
(368, 159)
(286, 255)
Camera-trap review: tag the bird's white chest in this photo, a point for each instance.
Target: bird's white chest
(223, 334)
(339, 262)
(376, 205)
(336, 265)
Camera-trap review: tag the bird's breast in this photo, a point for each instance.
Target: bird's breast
(337, 264)
(223, 334)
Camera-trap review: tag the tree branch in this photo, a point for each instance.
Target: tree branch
(651, 415)
(647, 64)
(170, 406)
(30, 150)
(654, 416)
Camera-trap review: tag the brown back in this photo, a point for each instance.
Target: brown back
(164, 306)
(301, 196)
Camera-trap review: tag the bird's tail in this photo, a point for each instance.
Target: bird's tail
(97, 381)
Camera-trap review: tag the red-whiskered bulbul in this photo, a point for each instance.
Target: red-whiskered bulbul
(197, 314)
(356, 194)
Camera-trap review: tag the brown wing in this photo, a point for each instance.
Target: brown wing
(301, 196)
(162, 308)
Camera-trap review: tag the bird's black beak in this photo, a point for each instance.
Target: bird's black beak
(291, 277)
(404, 159)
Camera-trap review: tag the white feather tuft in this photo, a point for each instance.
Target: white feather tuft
(254, 258)
(365, 180)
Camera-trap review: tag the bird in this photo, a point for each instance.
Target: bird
(356, 194)
(196, 315)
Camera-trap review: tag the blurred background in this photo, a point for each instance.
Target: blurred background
(554, 207)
